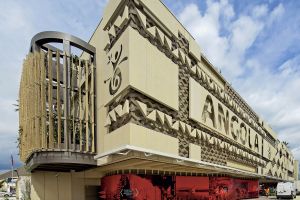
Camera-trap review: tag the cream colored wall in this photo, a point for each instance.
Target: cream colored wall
(173, 26)
(146, 70)
(296, 169)
(117, 138)
(152, 72)
(195, 152)
(138, 136)
(241, 166)
(61, 186)
(78, 186)
(149, 139)
(51, 186)
(110, 10)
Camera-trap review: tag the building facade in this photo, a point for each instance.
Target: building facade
(140, 114)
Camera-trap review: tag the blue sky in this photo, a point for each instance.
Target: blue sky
(255, 44)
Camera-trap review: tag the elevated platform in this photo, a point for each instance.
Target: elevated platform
(60, 161)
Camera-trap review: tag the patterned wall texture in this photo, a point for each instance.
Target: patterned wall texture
(135, 107)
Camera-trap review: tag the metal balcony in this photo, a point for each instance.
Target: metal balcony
(57, 104)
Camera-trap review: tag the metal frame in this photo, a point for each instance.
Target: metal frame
(68, 40)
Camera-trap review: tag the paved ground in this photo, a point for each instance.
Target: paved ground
(265, 198)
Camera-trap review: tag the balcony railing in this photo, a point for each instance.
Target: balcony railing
(57, 98)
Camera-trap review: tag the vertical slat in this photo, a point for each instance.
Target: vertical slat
(29, 72)
(65, 75)
(26, 146)
(43, 100)
(35, 100)
(38, 103)
(33, 91)
(65, 98)
(80, 106)
(58, 99)
(28, 108)
(38, 84)
(21, 115)
(25, 107)
(50, 100)
(86, 106)
(72, 101)
(93, 107)
(67, 67)
(36, 95)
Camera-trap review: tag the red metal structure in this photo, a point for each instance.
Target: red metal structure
(156, 187)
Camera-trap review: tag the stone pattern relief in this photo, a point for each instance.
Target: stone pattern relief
(150, 116)
(216, 150)
(281, 163)
(148, 113)
(118, 114)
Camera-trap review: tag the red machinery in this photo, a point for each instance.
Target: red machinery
(156, 187)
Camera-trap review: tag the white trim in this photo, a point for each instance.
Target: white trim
(198, 162)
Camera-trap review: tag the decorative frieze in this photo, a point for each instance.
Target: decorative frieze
(193, 135)
(146, 112)
(178, 49)
(116, 113)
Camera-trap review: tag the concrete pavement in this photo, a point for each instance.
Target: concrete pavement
(272, 197)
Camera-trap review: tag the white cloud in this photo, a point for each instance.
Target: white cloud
(230, 48)
(276, 13)
(275, 96)
(260, 11)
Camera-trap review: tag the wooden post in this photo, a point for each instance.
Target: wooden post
(50, 100)
(80, 105)
(43, 100)
(73, 101)
(86, 106)
(93, 107)
(31, 112)
(37, 100)
(58, 100)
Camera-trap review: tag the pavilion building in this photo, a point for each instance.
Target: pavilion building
(139, 113)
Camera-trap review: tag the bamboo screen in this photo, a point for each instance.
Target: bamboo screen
(56, 104)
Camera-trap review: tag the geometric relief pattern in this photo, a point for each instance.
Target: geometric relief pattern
(208, 83)
(183, 114)
(177, 50)
(281, 163)
(187, 66)
(213, 150)
(116, 29)
(118, 114)
(148, 114)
